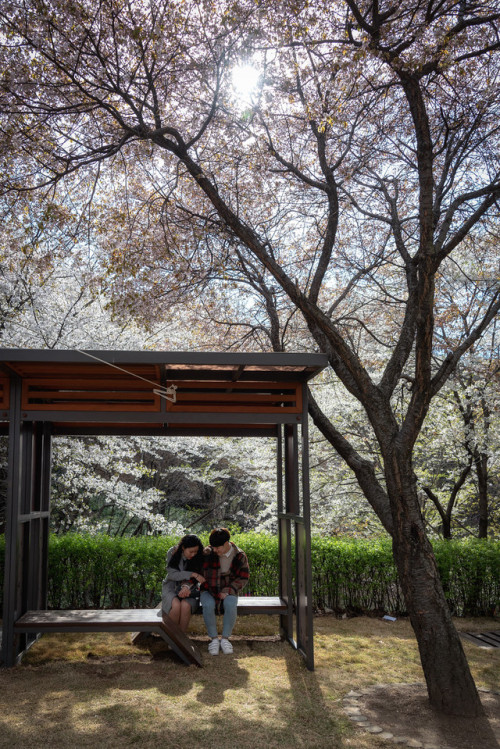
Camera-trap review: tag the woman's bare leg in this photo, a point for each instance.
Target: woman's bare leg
(185, 615)
(175, 612)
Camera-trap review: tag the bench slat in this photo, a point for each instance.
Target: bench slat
(131, 620)
(126, 618)
(111, 620)
(261, 605)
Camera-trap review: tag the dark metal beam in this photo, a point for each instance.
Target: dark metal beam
(296, 361)
(214, 418)
(59, 430)
(291, 470)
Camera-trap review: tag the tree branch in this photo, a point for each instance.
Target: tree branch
(363, 469)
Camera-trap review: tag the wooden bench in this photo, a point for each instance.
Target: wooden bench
(261, 605)
(136, 620)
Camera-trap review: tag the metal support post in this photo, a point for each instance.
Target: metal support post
(307, 560)
(11, 525)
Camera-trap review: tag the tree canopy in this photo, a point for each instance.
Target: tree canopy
(350, 206)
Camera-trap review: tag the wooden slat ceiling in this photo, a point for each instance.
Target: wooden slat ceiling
(132, 382)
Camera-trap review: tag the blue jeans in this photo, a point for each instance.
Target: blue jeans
(229, 620)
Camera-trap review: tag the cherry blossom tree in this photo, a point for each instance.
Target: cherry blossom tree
(367, 159)
(458, 452)
(33, 240)
(160, 485)
(97, 488)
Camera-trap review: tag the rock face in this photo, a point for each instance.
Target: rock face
(213, 489)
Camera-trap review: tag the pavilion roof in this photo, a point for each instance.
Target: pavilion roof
(156, 391)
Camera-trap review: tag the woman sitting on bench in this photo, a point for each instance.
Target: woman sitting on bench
(180, 589)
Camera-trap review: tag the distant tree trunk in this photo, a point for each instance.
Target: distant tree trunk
(445, 515)
(449, 681)
(481, 464)
(478, 457)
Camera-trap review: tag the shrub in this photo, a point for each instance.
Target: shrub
(347, 575)
(470, 573)
(106, 572)
(355, 575)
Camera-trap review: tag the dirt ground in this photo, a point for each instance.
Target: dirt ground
(100, 690)
(404, 711)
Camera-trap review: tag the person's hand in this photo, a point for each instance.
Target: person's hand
(184, 592)
(198, 577)
(222, 596)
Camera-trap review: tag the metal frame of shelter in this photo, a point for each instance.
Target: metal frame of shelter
(46, 393)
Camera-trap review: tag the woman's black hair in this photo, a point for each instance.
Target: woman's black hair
(187, 542)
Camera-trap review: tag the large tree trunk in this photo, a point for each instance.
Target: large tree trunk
(449, 682)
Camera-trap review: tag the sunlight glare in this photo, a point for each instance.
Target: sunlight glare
(245, 79)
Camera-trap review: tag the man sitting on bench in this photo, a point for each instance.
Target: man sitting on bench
(226, 572)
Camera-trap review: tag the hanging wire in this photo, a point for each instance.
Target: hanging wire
(169, 393)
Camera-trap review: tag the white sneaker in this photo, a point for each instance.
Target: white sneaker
(226, 646)
(214, 647)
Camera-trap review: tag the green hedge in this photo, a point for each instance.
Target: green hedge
(103, 571)
(356, 576)
(470, 573)
(347, 575)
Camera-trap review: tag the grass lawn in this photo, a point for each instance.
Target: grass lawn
(98, 690)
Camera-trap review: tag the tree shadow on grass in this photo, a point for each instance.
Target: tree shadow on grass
(319, 718)
(233, 678)
(299, 703)
(260, 695)
(405, 710)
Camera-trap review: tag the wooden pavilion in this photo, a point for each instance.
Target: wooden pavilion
(46, 393)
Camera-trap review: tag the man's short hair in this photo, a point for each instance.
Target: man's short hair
(219, 536)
